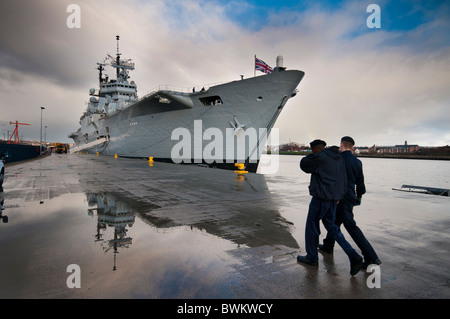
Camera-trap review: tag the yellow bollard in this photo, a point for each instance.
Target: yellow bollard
(240, 170)
(115, 156)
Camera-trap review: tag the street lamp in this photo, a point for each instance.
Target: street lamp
(40, 142)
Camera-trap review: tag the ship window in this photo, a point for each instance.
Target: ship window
(211, 100)
(164, 100)
(259, 98)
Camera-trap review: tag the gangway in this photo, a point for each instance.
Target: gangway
(424, 190)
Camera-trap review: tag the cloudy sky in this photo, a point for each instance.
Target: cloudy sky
(380, 85)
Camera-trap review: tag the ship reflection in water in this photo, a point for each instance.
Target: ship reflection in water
(113, 214)
(243, 215)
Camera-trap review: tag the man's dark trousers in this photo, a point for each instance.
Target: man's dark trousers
(344, 215)
(324, 210)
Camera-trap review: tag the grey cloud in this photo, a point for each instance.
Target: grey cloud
(357, 82)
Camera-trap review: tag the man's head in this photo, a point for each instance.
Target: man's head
(347, 143)
(317, 146)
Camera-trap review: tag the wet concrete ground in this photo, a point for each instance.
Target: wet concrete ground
(174, 231)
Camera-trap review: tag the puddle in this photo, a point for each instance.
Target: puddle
(123, 248)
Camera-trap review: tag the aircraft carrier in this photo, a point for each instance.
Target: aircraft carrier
(218, 126)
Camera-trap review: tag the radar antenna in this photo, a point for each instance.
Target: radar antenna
(100, 69)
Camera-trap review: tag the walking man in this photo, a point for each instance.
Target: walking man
(344, 211)
(328, 185)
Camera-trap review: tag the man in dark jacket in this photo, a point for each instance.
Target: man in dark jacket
(344, 211)
(328, 185)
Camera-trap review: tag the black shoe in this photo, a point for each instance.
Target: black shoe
(326, 249)
(355, 265)
(366, 263)
(306, 260)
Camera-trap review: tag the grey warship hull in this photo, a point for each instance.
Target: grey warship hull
(220, 126)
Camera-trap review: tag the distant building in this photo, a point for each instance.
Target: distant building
(292, 147)
(397, 149)
(360, 150)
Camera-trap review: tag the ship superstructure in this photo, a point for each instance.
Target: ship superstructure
(219, 126)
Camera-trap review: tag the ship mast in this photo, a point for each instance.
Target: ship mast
(122, 66)
(116, 93)
(100, 68)
(117, 56)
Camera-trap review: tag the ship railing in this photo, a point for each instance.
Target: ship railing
(180, 90)
(169, 88)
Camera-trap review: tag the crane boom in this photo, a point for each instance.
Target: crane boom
(16, 132)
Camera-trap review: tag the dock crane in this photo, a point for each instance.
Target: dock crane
(16, 132)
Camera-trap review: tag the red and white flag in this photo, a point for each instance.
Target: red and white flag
(262, 66)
